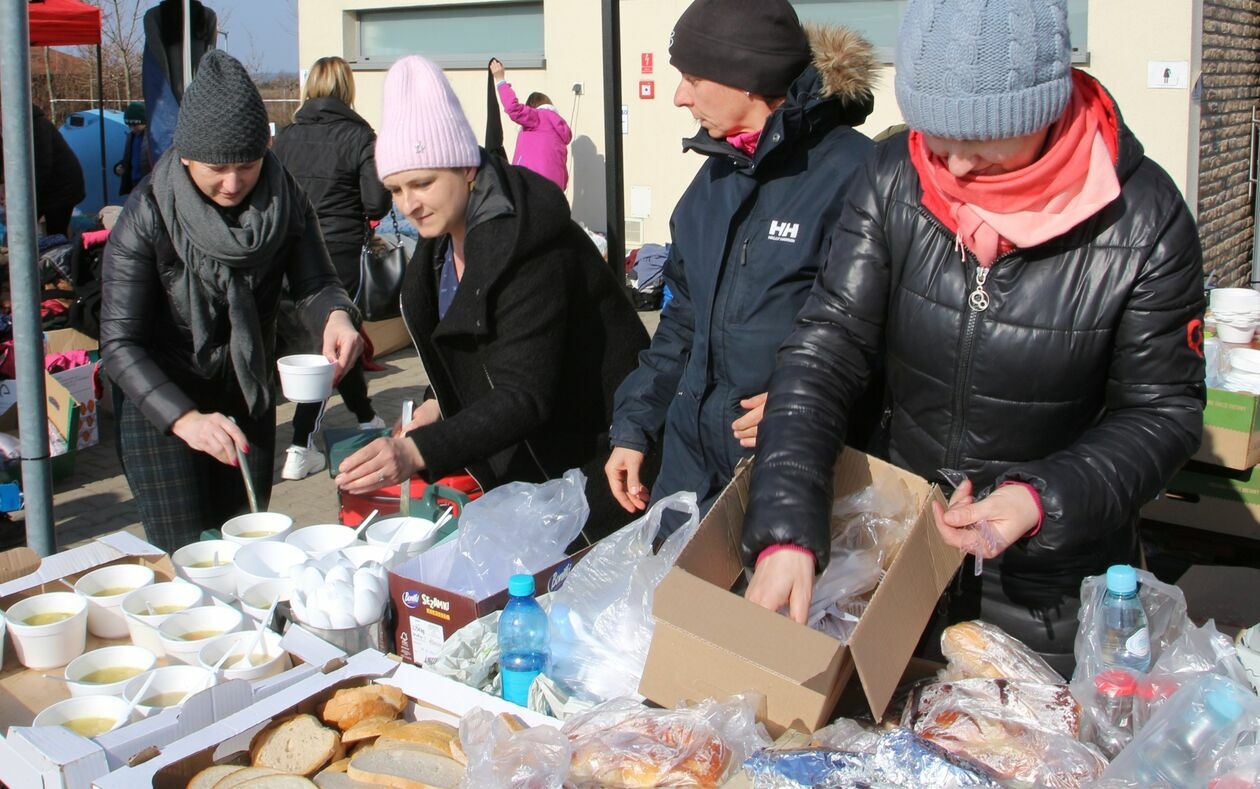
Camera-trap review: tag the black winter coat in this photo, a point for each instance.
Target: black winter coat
(1084, 377)
(749, 236)
(530, 353)
(58, 174)
(330, 150)
(146, 339)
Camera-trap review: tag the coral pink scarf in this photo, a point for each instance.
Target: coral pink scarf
(1074, 178)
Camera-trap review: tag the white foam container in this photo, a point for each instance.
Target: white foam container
(105, 616)
(306, 377)
(121, 656)
(52, 645)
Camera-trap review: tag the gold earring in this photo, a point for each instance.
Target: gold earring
(470, 186)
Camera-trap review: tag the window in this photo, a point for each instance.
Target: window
(879, 21)
(454, 36)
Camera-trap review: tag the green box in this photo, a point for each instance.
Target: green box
(1231, 430)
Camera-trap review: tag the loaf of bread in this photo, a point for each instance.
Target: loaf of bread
(350, 706)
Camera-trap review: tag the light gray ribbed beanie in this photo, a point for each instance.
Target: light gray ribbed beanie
(983, 69)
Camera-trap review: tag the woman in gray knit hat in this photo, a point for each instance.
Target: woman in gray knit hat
(1033, 286)
(191, 284)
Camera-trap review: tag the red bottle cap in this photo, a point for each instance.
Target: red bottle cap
(1115, 683)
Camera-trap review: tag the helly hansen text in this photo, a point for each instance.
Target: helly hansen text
(784, 231)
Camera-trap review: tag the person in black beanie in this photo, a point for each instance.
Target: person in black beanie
(776, 104)
(191, 283)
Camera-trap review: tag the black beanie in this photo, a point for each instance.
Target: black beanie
(222, 119)
(754, 45)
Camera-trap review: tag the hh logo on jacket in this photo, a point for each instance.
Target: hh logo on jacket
(784, 231)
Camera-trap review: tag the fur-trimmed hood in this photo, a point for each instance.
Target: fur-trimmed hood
(845, 61)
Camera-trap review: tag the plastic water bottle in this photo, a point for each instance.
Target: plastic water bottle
(524, 640)
(1188, 745)
(1126, 637)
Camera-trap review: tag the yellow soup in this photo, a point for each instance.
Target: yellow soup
(114, 591)
(253, 535)
(90, 727)
(198, 635)
(168, 699)
(47, 618)
(166, 609)
(105, 676)
(207, 564)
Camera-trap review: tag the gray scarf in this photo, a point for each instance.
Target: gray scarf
(226, 262)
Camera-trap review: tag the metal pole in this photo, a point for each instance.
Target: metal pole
(28, 336)
(100, 81)
(188, 64)
(613, 162)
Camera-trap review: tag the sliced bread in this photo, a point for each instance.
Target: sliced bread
(430, 735)
(327, 780)
(350, 706)
(241, 776)
(279, 782)
(207, 778)
(405, 768)
(367, 729)
(300, 745)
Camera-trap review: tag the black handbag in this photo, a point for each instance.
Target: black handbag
(382, 262)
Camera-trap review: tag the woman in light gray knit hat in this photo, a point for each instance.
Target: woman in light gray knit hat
(1030, 285)
(191, 283)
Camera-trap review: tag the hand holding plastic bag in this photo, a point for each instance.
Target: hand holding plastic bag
(501, 758)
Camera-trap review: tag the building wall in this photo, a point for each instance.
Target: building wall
(1231, 90)
(1123, 36)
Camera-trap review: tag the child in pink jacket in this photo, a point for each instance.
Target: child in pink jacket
(543, 144)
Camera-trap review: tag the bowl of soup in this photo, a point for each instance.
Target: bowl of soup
(149, 606)
(417, 534)
(105, 672)
(171, 687)
(256, 600)
(257, 527)
(185, 633)
(48, 630)
(209, 565)
(267, 659)
(265, 561)
(104, 589)
(86, 716)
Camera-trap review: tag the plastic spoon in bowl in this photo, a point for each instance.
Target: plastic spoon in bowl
(404, 495)
(446, 516)
(248, 657)
(144, 688)
(366, 522)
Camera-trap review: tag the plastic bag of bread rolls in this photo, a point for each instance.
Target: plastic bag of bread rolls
(979, 650)
(621, 743)
(502, 754)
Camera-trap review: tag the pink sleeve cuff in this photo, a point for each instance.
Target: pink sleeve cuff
(1041, 511)
(784, 547)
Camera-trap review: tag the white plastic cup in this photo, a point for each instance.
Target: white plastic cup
(218, 579)
(418, 534)
(1246, 360)
(179, 682)
(306, 377)
(322, 539)
(271, 659)
(256, 600)
(105, 617)
(142, 625)
(51, 645)
(1234, 300)
(1229, 333)
(122, 656)
(79, 707)
(265, 561)
(257, 527)
(216, 620)
(360, 554)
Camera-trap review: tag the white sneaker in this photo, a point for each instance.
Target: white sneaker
(302, 463)
(375, 424)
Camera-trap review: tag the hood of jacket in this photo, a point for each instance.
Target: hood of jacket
(327, 109)
(835, 89)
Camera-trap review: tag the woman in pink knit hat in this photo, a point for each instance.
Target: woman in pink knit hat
(523, 330)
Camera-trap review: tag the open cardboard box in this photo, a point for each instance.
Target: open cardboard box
(712, 642)
(1231, 430)
(63, 413)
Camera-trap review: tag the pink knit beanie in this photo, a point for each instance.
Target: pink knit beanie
(422, 124)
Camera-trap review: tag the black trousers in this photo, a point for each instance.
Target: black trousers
(354, 393)
(181, 492)
(57, 219)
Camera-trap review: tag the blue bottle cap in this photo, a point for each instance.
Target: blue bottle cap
(1121, 579)
(521, 586)
(1223, 705)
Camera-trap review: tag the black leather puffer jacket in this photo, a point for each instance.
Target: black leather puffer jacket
(1084, 377)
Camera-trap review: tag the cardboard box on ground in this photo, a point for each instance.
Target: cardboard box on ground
(1211, 498)
(80, 381)
(387, 336)
(63, 414)
(712, 642)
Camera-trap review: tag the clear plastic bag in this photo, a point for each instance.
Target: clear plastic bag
(501, 758)
(622, 743)
(842, 592)
(986, 539)
(471, 655)
(846, 735)
(878, 517)
(978, 650)
(601, 619)
(1199, 650)
(515, 528)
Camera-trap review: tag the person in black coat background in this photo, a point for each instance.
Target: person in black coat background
(523, 330)
(135, 164)
(328, 149)
(59, 183)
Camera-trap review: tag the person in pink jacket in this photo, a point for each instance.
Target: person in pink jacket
(543, 145)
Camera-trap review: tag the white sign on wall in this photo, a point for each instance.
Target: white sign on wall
(1167, 74)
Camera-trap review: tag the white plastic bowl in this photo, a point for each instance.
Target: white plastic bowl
(265, 561)
(217, 619)
(218, 579)
(360, 554)
(105, 617)
(143, 626)
(1233, 299)
(1227, 332)
(275, 660)
(306, 377)
(52, 645)
(179, 681)
(122, 656)
(322, 539)
(419, 534)
(1245, 359)
(257, 598)
(111, 707)
(262, 526)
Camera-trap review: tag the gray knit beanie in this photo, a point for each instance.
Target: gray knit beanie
(222, 119)
(983, 69)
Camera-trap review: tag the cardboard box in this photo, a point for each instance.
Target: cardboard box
(1222, 594)
(1231, 430)
(63, 413)
(387, 336)
(428, 614)
(65, 340)
(80, 381)
(712, 642)
(1212, 499)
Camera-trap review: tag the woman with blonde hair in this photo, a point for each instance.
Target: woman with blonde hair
(329, 150)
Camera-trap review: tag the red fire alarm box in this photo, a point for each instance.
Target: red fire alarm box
(647, 89)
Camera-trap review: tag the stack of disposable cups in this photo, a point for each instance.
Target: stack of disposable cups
(1237, 312)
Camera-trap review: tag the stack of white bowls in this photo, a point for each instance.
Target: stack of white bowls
(1237, 312)
(1243, 374)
